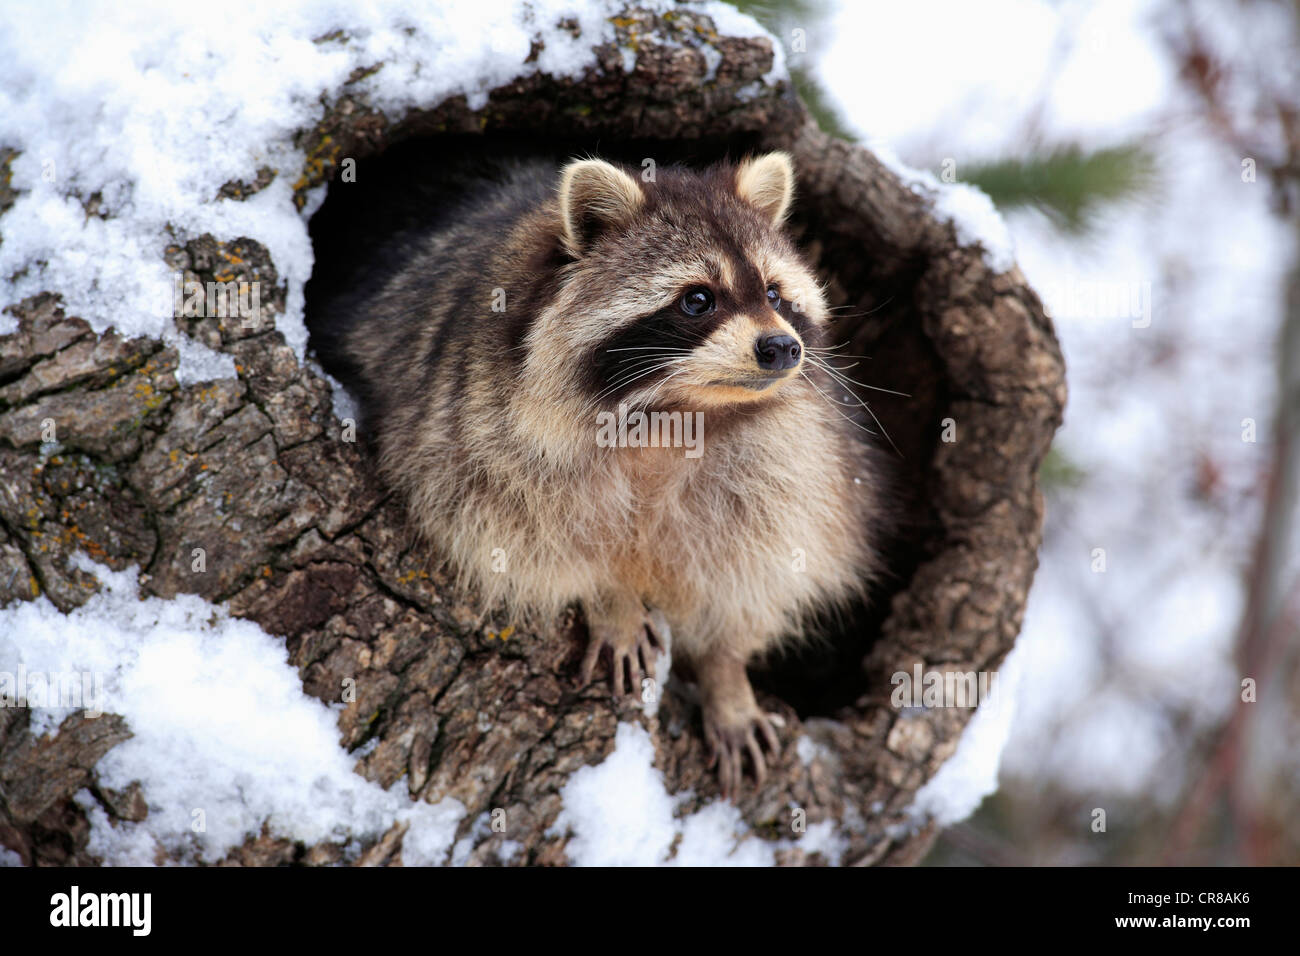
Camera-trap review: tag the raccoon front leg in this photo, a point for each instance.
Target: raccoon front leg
(733, 723)
(624, 626)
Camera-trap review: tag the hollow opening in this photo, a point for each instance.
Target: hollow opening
(872, 293)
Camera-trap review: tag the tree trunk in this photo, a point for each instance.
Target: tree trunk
(303, 540)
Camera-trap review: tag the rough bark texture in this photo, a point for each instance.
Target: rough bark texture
(301, 539)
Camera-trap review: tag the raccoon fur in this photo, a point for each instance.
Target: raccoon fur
(489, 342)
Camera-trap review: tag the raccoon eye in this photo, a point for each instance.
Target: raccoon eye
(774, 297)
(696, 301)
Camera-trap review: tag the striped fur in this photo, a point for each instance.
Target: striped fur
(486, 421)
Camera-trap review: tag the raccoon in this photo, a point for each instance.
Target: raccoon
(493, 343)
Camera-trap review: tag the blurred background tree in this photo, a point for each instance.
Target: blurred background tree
(1232, 786)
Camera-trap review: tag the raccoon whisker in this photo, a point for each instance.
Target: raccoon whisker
(833, 405)
(842, 367)
(828, 366)
(864, 405)
(845, 316)
(646, 348)
(635, 376)
(825, 360)
(882, 428)
(837, 413)
(836, 308)
(620, 384)
(648, 364)
(837, 372)
(597, 401)
(828, 353)
(655, 394)
(842, 380)
(670, 336)
(646, 360)
(828, 399)
(835, 348)
(641, 361)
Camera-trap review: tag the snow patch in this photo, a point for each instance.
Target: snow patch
(509, 850)
(825, 839)
(969, 209)
(808, 750)
(619, 811)
(662, 666)
(971, 774)
(127, 127)
(198, 362)
(620, 814)
(715, 836)
(222, 731)
(731, 22)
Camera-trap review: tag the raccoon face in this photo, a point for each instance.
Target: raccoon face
(683, 290)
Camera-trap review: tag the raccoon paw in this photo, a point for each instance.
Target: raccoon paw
(731, 735)
(633, 652)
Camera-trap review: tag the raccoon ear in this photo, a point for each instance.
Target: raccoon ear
(767, 182)
(594, 196)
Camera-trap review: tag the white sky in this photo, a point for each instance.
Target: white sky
(935, 78)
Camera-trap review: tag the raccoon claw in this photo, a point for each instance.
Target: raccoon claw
(633, 656)
(729, 741)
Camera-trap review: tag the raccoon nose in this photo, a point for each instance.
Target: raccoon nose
(777, 351)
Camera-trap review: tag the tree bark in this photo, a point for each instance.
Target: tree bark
(302, 539)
